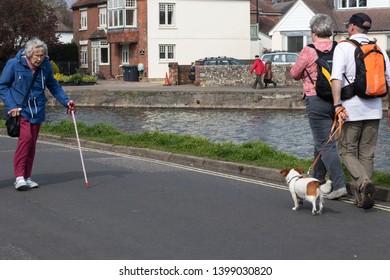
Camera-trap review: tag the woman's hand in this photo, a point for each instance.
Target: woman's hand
(71, 106)
(14, 112)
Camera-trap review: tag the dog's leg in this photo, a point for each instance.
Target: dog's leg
(296, 205)
(313, 203)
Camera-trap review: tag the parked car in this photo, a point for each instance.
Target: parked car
(220, 60)
(280, 57)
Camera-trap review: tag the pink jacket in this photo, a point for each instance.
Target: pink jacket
(258, 65)
(306, 60)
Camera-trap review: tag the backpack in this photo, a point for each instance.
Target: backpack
(323, 84)
(370, 79)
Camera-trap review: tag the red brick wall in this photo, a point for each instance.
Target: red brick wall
(137, 38)
(83, 35)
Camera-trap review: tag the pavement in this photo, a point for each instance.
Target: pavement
(137, 208)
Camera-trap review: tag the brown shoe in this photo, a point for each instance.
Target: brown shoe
(367, 192)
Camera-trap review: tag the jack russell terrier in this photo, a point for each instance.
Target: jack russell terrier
(305, 188)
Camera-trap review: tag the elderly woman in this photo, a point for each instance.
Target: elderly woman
(31, 65)
(320, 112)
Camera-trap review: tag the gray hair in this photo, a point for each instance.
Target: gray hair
(322, 25)
(32, 44)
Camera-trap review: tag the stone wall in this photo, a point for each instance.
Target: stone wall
(237, 75)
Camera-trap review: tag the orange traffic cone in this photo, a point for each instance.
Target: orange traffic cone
(166, 83)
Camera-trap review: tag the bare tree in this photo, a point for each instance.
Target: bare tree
(63, 11)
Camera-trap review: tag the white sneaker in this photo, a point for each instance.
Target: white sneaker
(31, 184)
(21, 184)
(337, 194)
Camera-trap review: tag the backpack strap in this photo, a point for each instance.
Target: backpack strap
(354, 43)
(319, 54)
(357, 45)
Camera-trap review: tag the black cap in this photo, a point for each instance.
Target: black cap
(256, 55)
(360, 20)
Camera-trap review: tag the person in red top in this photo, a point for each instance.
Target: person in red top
(320, 112)
(259, 68)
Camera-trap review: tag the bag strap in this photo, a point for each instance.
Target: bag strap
(319, 54)
(29, 88)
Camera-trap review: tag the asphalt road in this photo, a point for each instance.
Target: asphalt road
(143, 209)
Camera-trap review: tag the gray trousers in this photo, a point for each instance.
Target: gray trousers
(259, 80)
(357, 147)
(321, 114)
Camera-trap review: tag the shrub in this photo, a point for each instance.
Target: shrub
(58, 76)
(76, 78)
(64, 79)
(56, 70)
(89, 79)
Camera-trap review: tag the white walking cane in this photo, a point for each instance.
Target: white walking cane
(78, 142)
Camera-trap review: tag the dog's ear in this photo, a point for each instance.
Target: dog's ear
(284, 172)
(299, 170)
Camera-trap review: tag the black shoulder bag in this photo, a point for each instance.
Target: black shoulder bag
(13, 123)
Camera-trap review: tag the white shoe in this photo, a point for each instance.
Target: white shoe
(337, 194)
(21, 184)
(31, 184)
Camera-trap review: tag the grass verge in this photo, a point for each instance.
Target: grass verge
(253, 153)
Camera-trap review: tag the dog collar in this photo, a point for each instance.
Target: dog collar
(296, 176)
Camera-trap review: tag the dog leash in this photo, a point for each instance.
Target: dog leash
(336, 126)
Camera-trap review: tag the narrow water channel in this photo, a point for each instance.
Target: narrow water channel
(286, 130)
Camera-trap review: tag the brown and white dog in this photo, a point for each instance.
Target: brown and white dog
(305, 188)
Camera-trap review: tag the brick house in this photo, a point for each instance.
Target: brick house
(110, 34)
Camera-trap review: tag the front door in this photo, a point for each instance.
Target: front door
(95, 58)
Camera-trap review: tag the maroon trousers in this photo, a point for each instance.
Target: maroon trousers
(25, 150)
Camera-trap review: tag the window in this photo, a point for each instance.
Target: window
(388, 43)
(83, 19)
(167, 52)
(104, 57)
(84, 56)
(102, 16)
(294, 43)
(167, 14)
(122, 13)
(254, 32)
(125, 54)
(352, 3)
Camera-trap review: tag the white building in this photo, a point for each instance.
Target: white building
(292, 32)
(197, 28)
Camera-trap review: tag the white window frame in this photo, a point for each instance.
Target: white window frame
(254, 30)
(102, 16)
(125, 54)
(83, 19)
(348, 4)
(103, 44)
(83, 54)
(169, 52)
(167, 8)
(388, 42)
(118, 14)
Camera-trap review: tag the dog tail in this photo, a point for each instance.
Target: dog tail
(326, 187)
